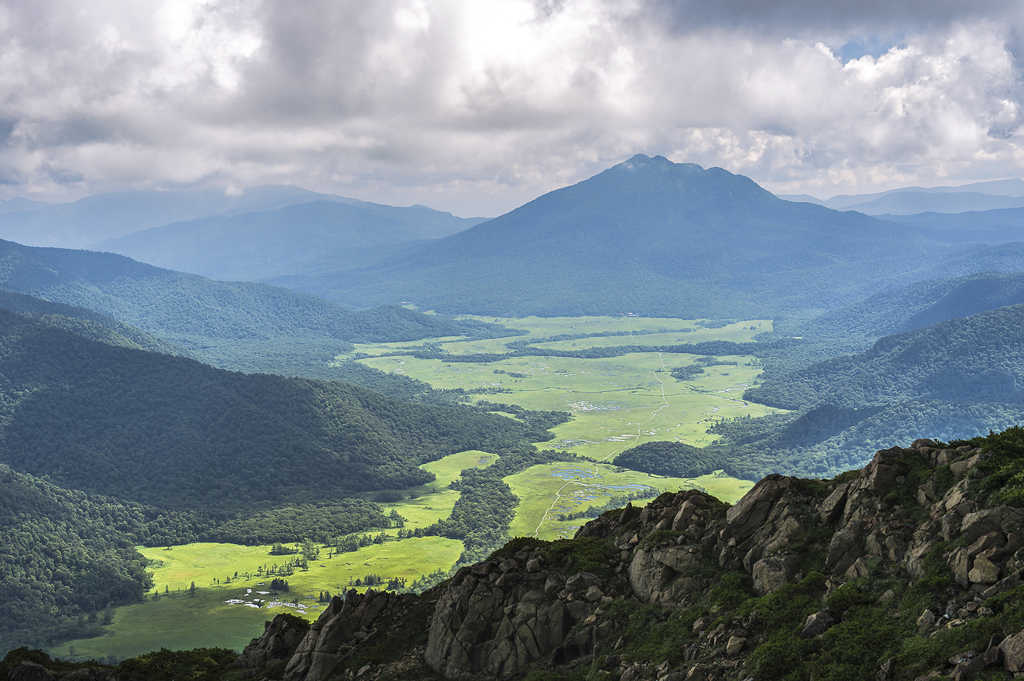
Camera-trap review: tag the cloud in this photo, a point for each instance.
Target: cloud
(478, 105)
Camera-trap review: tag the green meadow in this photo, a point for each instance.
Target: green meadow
(616, 403)
(228, 611)
(552, 490)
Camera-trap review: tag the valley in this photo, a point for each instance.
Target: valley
(616, 404)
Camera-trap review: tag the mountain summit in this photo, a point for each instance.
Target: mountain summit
(649, 236)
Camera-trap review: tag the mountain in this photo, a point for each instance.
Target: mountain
(987, 226)
(647, 236)
(294, 239)
(92, 219)
(997, 188)
(907, 203)
(87, 324)
(880, 573)
(981, 356)
(173, 433)
(20, 205)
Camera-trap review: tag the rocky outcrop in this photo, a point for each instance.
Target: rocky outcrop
(281, 638)
(341, 629)
(496, 618)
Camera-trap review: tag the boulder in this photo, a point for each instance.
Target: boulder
(817, 624)
(844, 549)
(1013, 653)
(30, 671)
(774, 572)
(750, 512)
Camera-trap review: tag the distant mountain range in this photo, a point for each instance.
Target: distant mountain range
(657, 238)
(297, 238)
(978, 196)
(86, 222)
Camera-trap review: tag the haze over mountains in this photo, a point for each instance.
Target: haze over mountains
(93, 219)
(297, 238)
(989, 195)
(658, 238)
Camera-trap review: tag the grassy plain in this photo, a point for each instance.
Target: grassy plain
(179, 622)
(616, 403)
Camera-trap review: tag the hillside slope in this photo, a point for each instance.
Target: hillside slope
(958, 359)
(239, 326)
(177, 434)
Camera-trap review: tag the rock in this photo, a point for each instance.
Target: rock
(318, 653)
(594, 593)
(280, 639)
(968, 668)
(30, 671)
(696, 674)
(887, 670)
(833, 504)
(959, 563)
(1013, 653)
(735, 646)
(772, 573)
(751, 511)
(983, 572)
(926, 619)
(844, 549)
(817, 624)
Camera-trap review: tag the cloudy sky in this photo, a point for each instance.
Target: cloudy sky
(476, 106)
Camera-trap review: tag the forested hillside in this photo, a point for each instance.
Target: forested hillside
(87, 323)
(920, 304)
(958, 359)
(178, 434)
(64, 558)
(240, 326)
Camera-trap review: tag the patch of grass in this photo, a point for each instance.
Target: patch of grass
(651, 631)
(589, 554)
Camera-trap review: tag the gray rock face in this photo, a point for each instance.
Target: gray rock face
(1013, 653)
(334, 635)
(280, 640)
(817, 624)
(481, 628)
(30, 671)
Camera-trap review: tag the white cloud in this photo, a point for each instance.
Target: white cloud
(478, 105)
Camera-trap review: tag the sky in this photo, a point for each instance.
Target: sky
(477, 106)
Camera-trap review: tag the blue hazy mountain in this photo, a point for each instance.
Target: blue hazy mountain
(647, 236)
(92, 219)
(989, 226)
(905, 200)
(288, 240)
